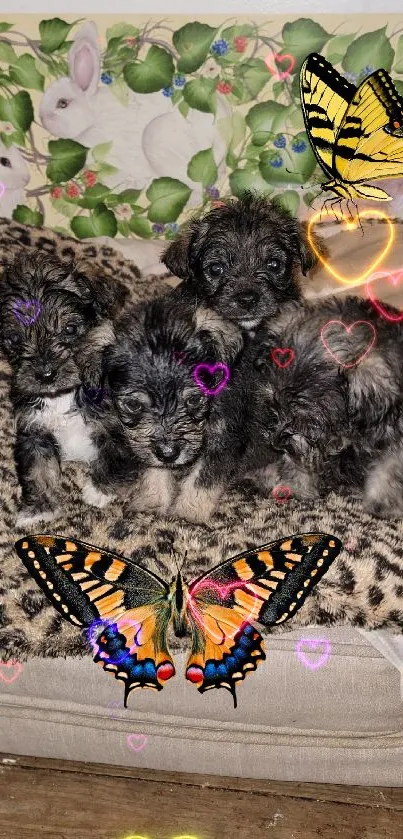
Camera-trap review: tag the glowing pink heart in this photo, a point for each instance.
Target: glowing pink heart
(314, 645)
(283, 357)
(2, 189)
(14, 669)
(348, 329)
(282, 494)
(271, 61)
(211, 370)
(137, 742)
(394, 277)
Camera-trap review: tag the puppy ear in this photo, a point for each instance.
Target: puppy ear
(176, 256)
(222, 337)
(107, 295)
(306, 255)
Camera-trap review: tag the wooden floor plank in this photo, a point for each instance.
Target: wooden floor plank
(59, 801)
(386, 797)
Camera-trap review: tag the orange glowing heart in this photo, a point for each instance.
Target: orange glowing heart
(353, 224)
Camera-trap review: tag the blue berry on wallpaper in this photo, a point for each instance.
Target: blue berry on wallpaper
(173, 226)
(213, 192)
(167, 91)
(106, 78)
(365, 72)
(276, 162)
(179, 81)
(280, 142)
(298, 146)
(158, 228)
(350, 77)
(220, 47)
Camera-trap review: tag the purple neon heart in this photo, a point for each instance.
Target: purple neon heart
(28, 305)
(313, 644)
(211, 369)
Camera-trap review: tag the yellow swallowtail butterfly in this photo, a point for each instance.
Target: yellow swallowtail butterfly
(356, 133)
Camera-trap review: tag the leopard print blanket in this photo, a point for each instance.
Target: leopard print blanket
(363, 588)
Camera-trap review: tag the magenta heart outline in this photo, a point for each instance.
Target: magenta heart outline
(27, 320)
(211, 369)
(313, 644)
(9, 664)
(138, 737)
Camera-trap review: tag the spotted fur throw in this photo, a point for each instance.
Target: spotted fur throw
(363, 588)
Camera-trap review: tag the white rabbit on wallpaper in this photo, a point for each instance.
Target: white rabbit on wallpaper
(14, 176)
(150, 136)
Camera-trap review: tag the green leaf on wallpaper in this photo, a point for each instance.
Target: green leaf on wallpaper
(16, 138)
(233, 54)
(93, 196)
(372, 49)
(288, 200)
(242, 30)
(279, 88)
(122, 30)
(101, 222)
(68, 157)
(399, 86)
(202, 168)
(301, 37)
(53, 33)
(25, 215)
(67, 209)
(7, 54)
(4, 27)
(101, 151)
(18, 110)
(129, 196)
(264, 120)
(337, 46)
(24, 72)
(152, 74)
(183, 107)
(201, 94)
(4, 79)
(141, 227)
(243, 180)
(293, 165)
(398, 65)
(167, 197)
(193, 42)
(254, 75)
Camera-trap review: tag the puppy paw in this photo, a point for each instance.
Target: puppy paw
(95, 497)
(29, 516)
(198, 507)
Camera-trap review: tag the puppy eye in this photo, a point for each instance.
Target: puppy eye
(195, 401)
(274, 265)
(215, 269)
(130, 412)
(62, 103)
(70, 329)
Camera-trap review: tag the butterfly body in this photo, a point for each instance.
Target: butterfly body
(356, 133)
(126, 610)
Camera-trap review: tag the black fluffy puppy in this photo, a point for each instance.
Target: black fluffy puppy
(162, 449)
(241, 259)
(53, 326)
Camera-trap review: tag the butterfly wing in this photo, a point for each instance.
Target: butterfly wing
(267, 585)
(123, 606)
(369, 145)
(325, 97)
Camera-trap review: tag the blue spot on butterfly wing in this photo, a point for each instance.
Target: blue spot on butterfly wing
(113, 643)
(220, 673)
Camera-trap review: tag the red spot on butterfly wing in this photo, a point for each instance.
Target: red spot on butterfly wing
(165, 671)
(195, 674)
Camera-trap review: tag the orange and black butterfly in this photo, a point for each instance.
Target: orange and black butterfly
(127, 609)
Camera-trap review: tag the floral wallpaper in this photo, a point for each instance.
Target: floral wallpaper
(125, 128)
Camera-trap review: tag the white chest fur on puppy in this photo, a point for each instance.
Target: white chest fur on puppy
(61, 416)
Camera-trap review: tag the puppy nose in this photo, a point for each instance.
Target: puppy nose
(247, 298)
(167, 452)
(47, 374)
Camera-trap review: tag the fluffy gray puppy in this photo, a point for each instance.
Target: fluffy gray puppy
(241, 259)
(160, 448)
